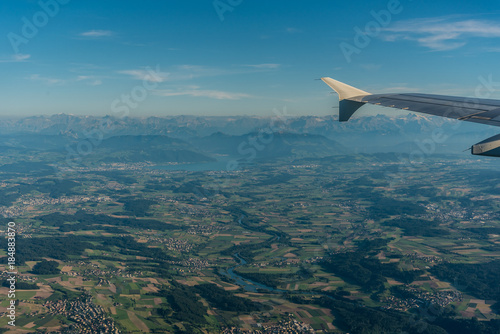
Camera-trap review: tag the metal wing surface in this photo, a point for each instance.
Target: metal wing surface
(485, 111)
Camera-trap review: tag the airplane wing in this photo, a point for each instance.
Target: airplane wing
(485, 111)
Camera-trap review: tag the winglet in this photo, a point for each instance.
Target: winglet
(344, 91)
(347, 107)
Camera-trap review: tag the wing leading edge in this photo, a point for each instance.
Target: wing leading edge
(485, 111)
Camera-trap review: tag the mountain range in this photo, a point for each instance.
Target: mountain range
(201, 138)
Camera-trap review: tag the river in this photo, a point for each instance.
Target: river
(246, 284)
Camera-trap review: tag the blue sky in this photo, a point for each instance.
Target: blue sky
(237, 57)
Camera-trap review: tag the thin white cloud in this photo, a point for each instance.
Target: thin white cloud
(47, 80)
(147, 75)
(97, 33)
(89, 79)
(195, 92)
(493, 49)
(177, 73)
(189, 72)
(441, 33)
(21, 57)
(264, 66)
(50, 81)
(79, 67)
(401, 88)
(291, 30)
(17, 58)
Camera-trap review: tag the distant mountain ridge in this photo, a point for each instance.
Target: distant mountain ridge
(222, 135)
(201, 126)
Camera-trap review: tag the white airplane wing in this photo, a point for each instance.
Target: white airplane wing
(475, 110)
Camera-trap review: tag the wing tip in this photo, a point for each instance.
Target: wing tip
(344, 90)
(347, 107)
